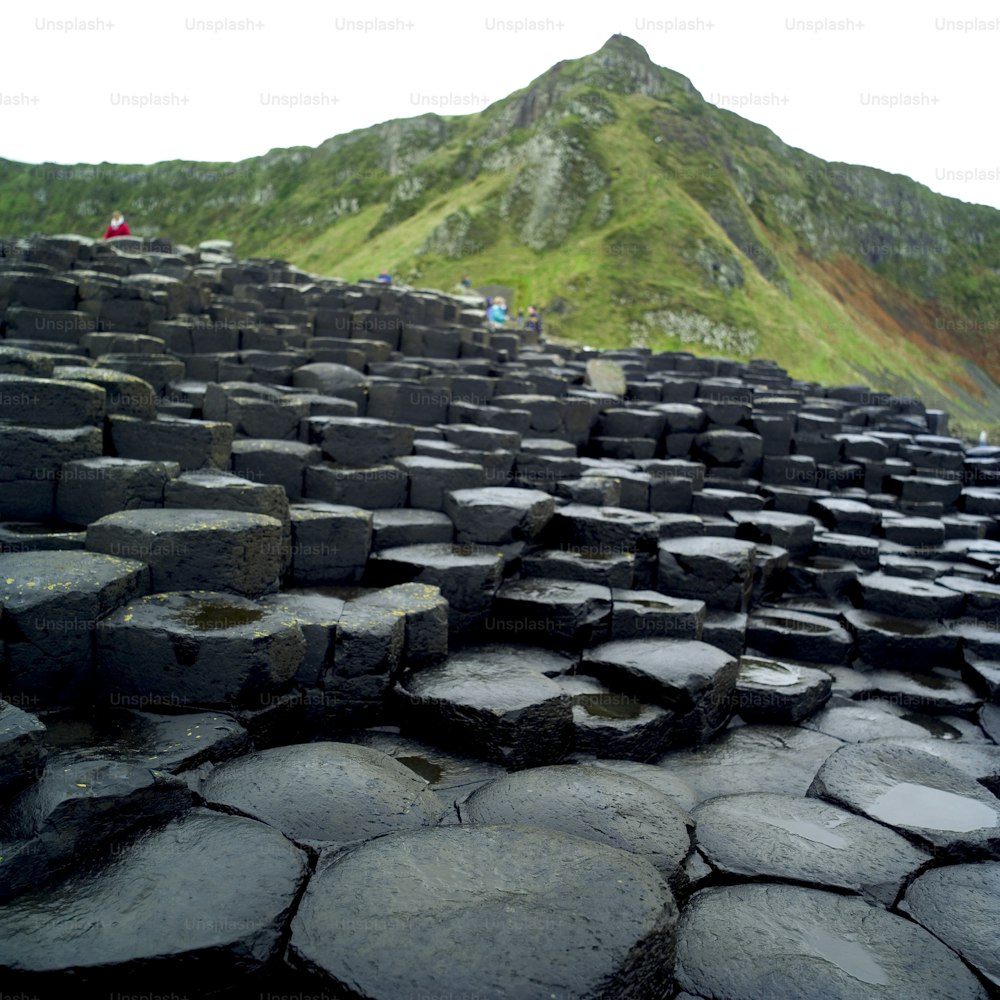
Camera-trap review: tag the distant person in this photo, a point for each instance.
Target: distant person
(520, 319)
(466, 281)
(534, 322)
(498, 311)
(118, 226)
(385, 278)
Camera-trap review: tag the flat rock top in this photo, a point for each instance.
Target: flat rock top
(58, 574)
(788, 837)
(150, 520)
(498, 678)
(777, 942)
(595, 803)
(407, 916)
(324, 792)
(203, 881)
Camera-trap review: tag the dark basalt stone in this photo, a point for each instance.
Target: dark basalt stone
(204, 898)
(786, 837)
(324, 794)
(562, 915)
(958, 905)
(595, 803)
(780, 939)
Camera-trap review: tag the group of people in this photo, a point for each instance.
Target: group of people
(496, 313)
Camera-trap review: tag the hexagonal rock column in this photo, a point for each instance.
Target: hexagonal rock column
(562, 917)
(738, 450)
(197, 648)
(324, 794)
(467, 575)
(195, 444)
(692, 679)
(492, 702)
(595, 803)
(958, 905)
(51, 604)
(125, 394)
(365, 441)
(21, 748)
(903, 598)
(771, 527)
(430, 480)
(330, 542)
(915, 793)
(498, 515)
(769, 691)
(784, 934)
(790, 837)
(42, 402)
(197, 549)
(425, 616)
(903, 643)
(799, 636)
(91, 488)
(367, 656)
(648, 614)
(551, 612)
(250, 876)
(612, 724)
(30, 462)
(280, 462)
(718, 571)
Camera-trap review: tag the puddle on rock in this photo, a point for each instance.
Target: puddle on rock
(794, 625)
(427, 770)
(770, 674)
(938, 729)
(810, 831)
(609, 706)
(209, 616)
(902, 626)
(909, 804)
(849, 956)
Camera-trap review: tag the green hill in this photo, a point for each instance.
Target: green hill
(610, 194)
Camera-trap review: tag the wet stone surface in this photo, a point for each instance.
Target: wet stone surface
(805, 840)
(298, 569)
(779, 939)
(563, 916)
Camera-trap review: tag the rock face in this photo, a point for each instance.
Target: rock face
(354, 646)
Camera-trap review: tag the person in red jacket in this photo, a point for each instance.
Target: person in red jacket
(118, 226)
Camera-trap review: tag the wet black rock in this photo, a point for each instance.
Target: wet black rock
(204, 899)
(563, 916)
(782, 941)
(780, 759)
(786, 837)
(692, 679)
(918, 794)
(494, 702)
(958, 904)
(324, 794)
(771, 691)
(595, 803)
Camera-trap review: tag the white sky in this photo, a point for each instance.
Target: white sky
(71, 96)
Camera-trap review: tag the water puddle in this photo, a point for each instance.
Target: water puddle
(811, 831)
(427, 770)
(908, 804)
(770, 674)
(902, 626)
(938, 729)
(609, 706)
(849, 956)
(209, 616)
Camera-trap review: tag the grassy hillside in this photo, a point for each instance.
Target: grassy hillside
(610, 194)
